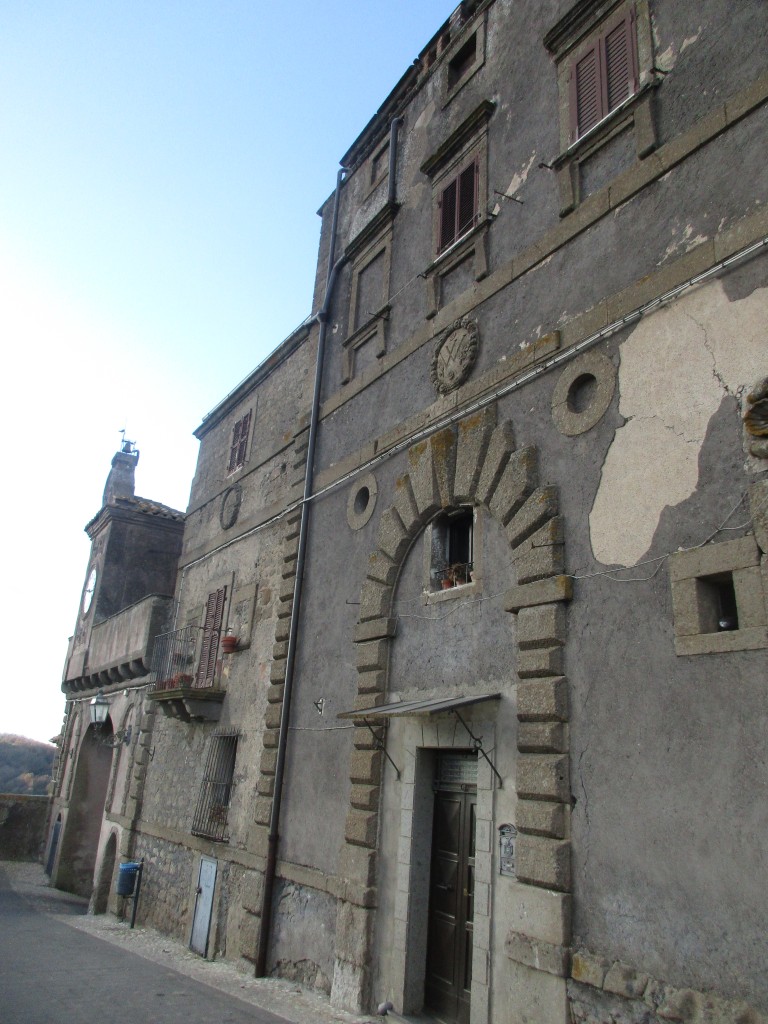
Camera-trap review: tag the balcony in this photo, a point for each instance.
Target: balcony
(119, 648)
(176, 684)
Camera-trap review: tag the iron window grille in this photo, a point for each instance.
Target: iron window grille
(603, 76)
(212, 810)
(239, 446)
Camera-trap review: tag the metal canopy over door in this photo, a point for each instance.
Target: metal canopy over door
(451, 889)
(201, 925)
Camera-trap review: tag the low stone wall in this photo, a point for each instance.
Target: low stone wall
(601, 990)
(22, 826)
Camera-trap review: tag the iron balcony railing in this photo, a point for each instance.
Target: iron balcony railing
(456, 575)
(173, 659)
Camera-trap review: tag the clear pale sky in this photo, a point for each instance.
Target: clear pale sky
(161, 167)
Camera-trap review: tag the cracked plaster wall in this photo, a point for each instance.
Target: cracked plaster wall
(676, 368)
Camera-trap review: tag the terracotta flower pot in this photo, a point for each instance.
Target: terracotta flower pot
(229, 644)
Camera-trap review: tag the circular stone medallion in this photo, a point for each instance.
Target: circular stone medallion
(455, 356)
(230, 506)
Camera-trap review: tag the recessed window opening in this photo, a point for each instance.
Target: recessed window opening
(581, 393)
(719, 603)
(379, 164)
(458, 206)
(462, 61)
(452, 549)
(239, 445)
(212, 811)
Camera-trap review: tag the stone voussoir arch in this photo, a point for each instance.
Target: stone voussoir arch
(476, 462)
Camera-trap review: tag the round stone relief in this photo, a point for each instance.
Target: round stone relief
(756, 419)
(583, 393)
(455, 356)
(230, 506)
(362, 501)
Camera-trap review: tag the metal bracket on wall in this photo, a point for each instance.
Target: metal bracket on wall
(380, 746)
(478, 745)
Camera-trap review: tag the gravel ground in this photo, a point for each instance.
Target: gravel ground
(283, 998)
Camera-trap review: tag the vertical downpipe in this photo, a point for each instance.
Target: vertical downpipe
(282, 742)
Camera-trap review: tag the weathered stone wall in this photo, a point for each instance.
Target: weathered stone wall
(22, 826)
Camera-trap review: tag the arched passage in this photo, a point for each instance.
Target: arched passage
(86, 810)
(106, 871)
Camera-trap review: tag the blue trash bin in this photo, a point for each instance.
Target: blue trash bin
(126, 878)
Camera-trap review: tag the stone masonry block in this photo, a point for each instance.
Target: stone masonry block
(625, 981)
(371, 681)
(500, 447)
(519, 479)
(365, 767)
(540, 915)
(714, 558)
(750, 599)
(423, 480)
(364, 739)
(540, 563)
(404, 504)
(543, 700)
(361, 828)
(552, 532)
(288, 571)
(443, 447)
(543, 776)
(282, 629)
(544, 862)
(285, 593)
(248, 931)
(382, 568)
(272, 716)
(358, 865)
(266, 785)
(277, 672)
(542, 956)
(393, 539)
(375, 600)
(541, 818)
(540, 661)
(372, 656)
(680, 1004)
(365, 701)
(758, 508)
(539, 507)
(253, 891)
(589, 969)
(365, 798)
(375, 629)
(268, 763)
(559, 588)
(275, 693)
(262, 811)
(291, 549)
(541, 626)
(280, 650)
(542, 738)
(270, 737)
(473, 435)
(354, 929)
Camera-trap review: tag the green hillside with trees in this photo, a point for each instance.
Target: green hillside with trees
(25, 765)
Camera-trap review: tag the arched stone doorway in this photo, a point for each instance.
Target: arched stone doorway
(86, 811)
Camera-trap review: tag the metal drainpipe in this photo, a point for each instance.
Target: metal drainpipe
(392, 191)
(282, 742)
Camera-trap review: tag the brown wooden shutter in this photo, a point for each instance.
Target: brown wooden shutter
(467, 211)
(586, 105)
(209, 648)
(233, 448)
(448, 203)
(245, 424)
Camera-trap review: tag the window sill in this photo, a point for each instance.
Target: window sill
(472, 244)
(460, 590)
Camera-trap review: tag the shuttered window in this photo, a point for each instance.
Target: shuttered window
(212, 810)
(239, 444)
(604, 75)
(458, 206)
(209, 648)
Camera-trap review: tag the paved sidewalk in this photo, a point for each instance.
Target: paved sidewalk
(268, 995)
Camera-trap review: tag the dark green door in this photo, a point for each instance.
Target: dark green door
(451, 899)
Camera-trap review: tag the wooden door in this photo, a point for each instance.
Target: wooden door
(451, 904)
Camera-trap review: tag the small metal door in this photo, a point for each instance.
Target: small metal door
(54, 847)
(201, 924)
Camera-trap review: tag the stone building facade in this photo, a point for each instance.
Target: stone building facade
(463, 703)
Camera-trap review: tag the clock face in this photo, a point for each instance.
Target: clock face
(90, 586)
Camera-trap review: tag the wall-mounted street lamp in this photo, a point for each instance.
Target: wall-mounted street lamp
(99, 712)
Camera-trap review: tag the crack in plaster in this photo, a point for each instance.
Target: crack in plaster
(677, 365)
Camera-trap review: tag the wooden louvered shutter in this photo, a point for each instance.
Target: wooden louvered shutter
(245, 424)
(209, 648)
(467, 206)
(619, 61)
(234, 447)
(448, 204)
(586, 100)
